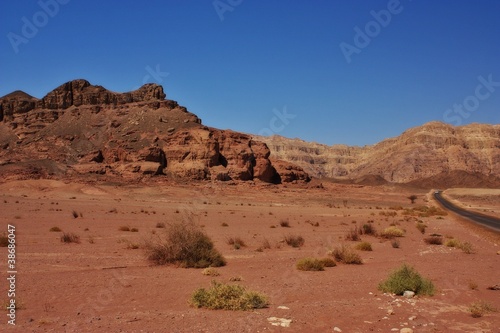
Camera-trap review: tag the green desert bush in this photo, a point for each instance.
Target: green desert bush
(364, 246)
(186, 245)
(392, 232)
(222, 296)
(346, 255)
(406, 278)
(310, 264)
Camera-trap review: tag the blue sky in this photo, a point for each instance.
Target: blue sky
(324, 71)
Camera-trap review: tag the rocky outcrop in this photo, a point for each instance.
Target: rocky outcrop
(91, 130)
(419, 153)
(81, 92)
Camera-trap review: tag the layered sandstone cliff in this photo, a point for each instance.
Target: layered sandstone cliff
(79, 128)
(419, 153)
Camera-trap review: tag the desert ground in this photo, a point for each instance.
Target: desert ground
(106, 284)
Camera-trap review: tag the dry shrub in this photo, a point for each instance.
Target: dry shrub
(364, 246)
(368, 229)
(186, 245)
(352, 235)
(69, 237)
(346, 255)
(466, 247)
(228, 297)
(55, 229)
(4, 240)
(392, 232)
(210, 271)
(310, 264)
(395, 243)
(328, 262)
(285, 223)
(421, 227)
(480, 308)
(236, 242)
(124, 228)
(434, 240)
(294, 240)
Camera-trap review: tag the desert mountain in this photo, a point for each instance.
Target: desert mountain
(81, 129)
(428, 155)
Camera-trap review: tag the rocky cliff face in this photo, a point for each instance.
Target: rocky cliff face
(419, 153)
(79, 128)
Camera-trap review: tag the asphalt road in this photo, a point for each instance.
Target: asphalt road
(485, 220)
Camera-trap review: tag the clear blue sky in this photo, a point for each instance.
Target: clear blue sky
(238, 65)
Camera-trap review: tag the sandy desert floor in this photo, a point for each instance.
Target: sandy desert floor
(103, 284)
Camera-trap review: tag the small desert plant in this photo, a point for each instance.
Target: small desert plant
(406, 278)
(285, 224)
(310, 264)
(368, 229)
(421, 227)
(480, 308)
(466, 247)
(472, 285)
(134, 230)
(124, 228)
(55, 229)
(392, 232)
(294, 240)
(346, 255)
(227, 297)
(185, 245)
(210, 271)
(236, 242)
(75, 214)
(434, 240)
(395, 243)
(352, 235)
(4, 240)
(224, 224)
(364, 246)
(412, 198)
(328, 262)
(69, 237)
(160, 225)
(132, 246)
